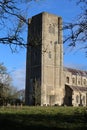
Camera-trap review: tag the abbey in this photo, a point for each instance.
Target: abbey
(48, 82)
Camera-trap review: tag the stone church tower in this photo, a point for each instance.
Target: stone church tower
(44, 67)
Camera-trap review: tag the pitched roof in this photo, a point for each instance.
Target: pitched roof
(76, 71)
(77, 88)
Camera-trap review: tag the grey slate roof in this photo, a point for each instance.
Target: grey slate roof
(76, 71)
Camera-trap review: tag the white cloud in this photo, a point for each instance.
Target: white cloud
(18, 77)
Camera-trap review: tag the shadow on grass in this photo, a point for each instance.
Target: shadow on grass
(43, 122)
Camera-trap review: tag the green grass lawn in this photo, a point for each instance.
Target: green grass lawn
(43, 118)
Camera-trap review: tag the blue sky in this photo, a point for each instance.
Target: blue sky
(16, 62)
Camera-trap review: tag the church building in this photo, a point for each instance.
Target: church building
(48, 82)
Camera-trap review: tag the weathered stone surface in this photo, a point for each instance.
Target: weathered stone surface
(47, 81)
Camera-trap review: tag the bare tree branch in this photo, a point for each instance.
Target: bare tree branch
(77, 31)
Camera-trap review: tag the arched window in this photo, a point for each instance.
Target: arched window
(73, 80)
(83, 99)
(79, 82)
(84, 81)
(67, 79)
(77, 99)
(51, 29)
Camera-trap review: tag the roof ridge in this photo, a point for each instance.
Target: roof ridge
(75, 69)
